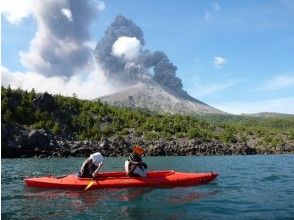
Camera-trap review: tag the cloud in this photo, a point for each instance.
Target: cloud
(278, 82)
(14, 10)
(87, 86)
(218, 62)
(67, 13)
(90, 44)
(126, 47)
(208, 89)
(60, 45)
(100, 5)
(214, 7)
(281, 105)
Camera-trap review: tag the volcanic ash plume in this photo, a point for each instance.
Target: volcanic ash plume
(60, 44)
(121, 55)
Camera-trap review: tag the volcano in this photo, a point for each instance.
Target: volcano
(149, 78)
(154, 97)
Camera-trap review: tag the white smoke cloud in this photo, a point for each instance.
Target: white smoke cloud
(14, 10)
(279, 82)
(60, 45)
(86, 86)
(213, 8)
(100, 5)
(218, 62)
(126, 47)
(60, 57)
(67, 13)
(281, 105)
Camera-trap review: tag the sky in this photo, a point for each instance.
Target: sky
(237, 56)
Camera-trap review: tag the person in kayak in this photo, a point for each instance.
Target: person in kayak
(91, 166)
(134, 166)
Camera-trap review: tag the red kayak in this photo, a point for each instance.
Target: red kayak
(168, 178)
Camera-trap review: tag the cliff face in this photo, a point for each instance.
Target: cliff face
(152, 96)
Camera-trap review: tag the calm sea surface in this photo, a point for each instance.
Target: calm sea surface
(248, 187)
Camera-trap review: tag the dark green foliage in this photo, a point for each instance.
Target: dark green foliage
(56, 128)
(291, 134)
(94, 120)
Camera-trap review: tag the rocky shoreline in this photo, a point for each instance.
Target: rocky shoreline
(19, 142)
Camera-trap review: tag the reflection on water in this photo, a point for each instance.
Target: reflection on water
(58, 203)
(188, 197)
(131, 203)
(130, 194)
(90, 197)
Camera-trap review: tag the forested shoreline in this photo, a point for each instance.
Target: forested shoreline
(44, 125)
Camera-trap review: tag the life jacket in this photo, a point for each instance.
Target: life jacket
(135, 158)
(138, 163)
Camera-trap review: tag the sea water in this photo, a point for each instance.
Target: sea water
(248, 187)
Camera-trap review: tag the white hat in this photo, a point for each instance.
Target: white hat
(97, 158)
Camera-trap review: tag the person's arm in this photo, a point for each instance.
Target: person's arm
(96, 172)
(133, 162)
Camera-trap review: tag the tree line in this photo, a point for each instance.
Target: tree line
(93, 120)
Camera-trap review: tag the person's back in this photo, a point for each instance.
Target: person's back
(134, 166)
(92, 165)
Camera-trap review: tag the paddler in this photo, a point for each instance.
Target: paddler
(91, 166)
(134, 166)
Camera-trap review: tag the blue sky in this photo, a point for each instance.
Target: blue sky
(237, 56)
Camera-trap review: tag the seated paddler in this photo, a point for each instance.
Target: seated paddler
(91, 166)
(134, 166)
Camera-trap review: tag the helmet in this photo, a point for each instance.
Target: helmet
(139, 150)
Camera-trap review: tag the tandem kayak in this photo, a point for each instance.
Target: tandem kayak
(167, 178)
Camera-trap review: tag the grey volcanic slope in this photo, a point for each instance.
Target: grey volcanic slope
(152, 96)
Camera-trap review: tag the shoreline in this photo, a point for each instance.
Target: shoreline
(42, 143)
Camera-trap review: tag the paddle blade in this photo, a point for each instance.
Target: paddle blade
(89, 184)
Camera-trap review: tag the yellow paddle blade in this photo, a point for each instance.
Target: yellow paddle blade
(90, 184)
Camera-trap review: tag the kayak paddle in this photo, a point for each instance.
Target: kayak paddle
(90, 184)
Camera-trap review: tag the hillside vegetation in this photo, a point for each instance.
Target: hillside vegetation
(78, 119)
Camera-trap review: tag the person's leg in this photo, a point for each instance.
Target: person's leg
(142, 172)
(92, 168)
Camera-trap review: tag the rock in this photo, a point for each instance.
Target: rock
(156, 150)
(250, 151)
(104, 144)
(39, 138)
(81, 152)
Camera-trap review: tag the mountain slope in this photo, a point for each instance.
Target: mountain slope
(152, 96)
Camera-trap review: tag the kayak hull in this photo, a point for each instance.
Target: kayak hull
(169, 178)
